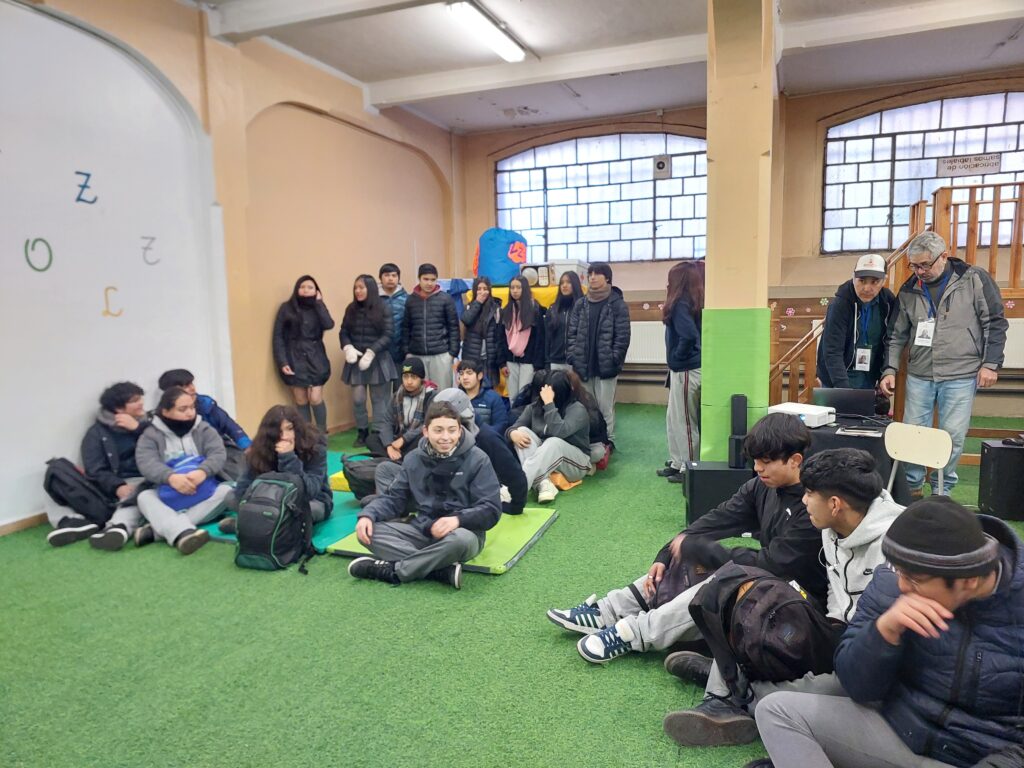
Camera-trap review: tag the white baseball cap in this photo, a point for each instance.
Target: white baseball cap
(870, 265)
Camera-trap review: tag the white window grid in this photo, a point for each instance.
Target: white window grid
(877, 166)
(596, 198)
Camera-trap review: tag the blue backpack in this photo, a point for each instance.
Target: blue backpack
(179, 501)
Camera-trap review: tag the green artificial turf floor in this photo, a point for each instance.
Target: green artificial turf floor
(148, 658)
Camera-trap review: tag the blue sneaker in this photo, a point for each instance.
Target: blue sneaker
(602, 647)
(585, 618)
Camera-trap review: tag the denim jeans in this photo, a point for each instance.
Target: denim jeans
(954, 399)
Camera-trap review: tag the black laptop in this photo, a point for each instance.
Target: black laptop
(851, 402)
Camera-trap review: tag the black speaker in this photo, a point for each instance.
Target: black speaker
(736, 457)
(1001, 481)
(738, 404)
(709, 483)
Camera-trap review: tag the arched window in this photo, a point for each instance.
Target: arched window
(880, 164)
(605, 198)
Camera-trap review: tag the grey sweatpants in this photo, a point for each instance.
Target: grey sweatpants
(823, 685)
(127, 515)
(169, 524)
(519, 375)
(416, 554)
(653, 629)
(379, 395)
(819, 731)
(603, 391)
(439, 369)
(540, 459)
(682, 419)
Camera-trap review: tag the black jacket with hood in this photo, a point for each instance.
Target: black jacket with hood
(839, 337)
(106, 456)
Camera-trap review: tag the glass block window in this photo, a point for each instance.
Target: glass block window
(877, 166)
(596, 199)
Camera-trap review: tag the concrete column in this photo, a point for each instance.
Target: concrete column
(742, 114)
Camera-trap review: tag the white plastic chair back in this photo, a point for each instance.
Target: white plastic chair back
(912, 444)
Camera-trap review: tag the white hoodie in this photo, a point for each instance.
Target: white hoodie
(850, 562)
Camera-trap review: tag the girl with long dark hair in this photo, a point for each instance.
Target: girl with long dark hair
(553, 435)
(522, 321)
(556, 321)
(365, 337)
(681, 315)
(482, 319)
(299, 352)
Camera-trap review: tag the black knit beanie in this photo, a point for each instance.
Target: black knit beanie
(938, 537)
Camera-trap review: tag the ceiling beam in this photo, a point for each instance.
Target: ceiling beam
(906, 20)
(604, 61)
(238, 20)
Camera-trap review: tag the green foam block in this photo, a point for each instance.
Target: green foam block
(506, 542)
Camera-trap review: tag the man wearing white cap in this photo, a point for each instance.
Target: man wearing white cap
(853, 344)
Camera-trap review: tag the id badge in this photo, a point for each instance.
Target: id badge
(862, 359)
(925, 333)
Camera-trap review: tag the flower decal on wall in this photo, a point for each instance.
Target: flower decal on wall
(807, 309)
(790, 311)
(823, 301)
(646, 305)
(1011, 304)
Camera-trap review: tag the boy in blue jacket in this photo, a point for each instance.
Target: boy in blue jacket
(932, 661)
(490, 407)
(236, 441)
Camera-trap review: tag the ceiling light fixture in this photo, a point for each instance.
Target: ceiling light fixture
(488, 30)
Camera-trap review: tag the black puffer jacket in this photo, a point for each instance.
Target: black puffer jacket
(612, 337)
(472, 344)
(535, 347)
(556, 331)
(358, 330)
(299, 342)
(430, 325)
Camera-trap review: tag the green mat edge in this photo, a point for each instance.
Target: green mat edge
(475, 568)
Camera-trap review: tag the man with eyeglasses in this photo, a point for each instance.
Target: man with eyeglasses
(951, 315)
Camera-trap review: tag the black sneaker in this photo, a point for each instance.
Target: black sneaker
(368, 568)
(668, 471)
(228, 525)
(111, 539)
(69, 530)
(451, 575)
(143, 535)
(678, 477)
(361, 438)
(715, 722)
(687, 665)
(192, 540)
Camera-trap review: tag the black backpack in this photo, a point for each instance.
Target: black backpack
(359, 474)
(770, 632)
(67, 485)
(275, 526)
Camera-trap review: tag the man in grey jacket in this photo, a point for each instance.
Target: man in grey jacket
(951, 316)
(457, 499)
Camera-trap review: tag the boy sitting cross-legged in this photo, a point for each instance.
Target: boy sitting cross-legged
(457, 499)
(638, 618)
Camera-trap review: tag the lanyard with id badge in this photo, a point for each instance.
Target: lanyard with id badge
(862, 355)
(926, 328)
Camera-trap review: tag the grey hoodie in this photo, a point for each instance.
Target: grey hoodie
(158, 445)
(851, 561)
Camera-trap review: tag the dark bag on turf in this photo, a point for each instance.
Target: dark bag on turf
(275, 526)
(67, 485)
(678, 577)
(359, 474)
(760, 627)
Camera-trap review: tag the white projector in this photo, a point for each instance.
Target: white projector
(811, 415)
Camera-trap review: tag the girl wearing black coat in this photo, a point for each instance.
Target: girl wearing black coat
(522, 321)
(299, 352)
(365, 336)
(482, 319)
(556, 321)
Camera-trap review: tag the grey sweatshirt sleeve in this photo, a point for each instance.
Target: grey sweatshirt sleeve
(212, 447)
(149, 457)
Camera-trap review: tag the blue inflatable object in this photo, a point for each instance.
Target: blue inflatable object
(500, 255)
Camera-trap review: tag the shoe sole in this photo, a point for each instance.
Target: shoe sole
(143, 536)
(554, 618)
(353, 565)
(193, 542)
(61, 537)
(593, 659)
(457, 576)
(108, 541)
(695, 729)
(701, 680)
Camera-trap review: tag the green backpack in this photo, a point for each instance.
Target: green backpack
(275, 526)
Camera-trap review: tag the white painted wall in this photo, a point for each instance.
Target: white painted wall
(82, 304)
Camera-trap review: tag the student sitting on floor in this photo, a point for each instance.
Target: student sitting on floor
(846, 501)
(285, 442)
(490, 407)
(235, 440)
(457, 499)
(931, 662)
(402, 428)
(108, 456)
(770, 506)
(553, 435)
(177, 432)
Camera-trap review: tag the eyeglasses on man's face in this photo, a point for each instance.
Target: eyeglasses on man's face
(924, 266)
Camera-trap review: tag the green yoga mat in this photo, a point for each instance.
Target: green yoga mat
(506, 542)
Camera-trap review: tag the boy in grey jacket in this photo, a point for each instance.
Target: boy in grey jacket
(457, 499)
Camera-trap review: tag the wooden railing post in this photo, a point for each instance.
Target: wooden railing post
(971, 252)
(993, 240)
(942, 209)
(1017, 236)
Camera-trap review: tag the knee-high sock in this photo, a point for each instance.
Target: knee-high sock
(320, 415)
(304, 411)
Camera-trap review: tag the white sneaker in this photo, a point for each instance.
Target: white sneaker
(506, 497)
(546, 491)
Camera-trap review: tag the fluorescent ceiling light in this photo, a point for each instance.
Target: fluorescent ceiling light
(487, 31)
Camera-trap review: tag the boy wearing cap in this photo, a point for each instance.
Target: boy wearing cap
(401, 430)
(853, 343)
(430, 327)
(936, 648)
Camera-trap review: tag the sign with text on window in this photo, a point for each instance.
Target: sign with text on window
(970, 165)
